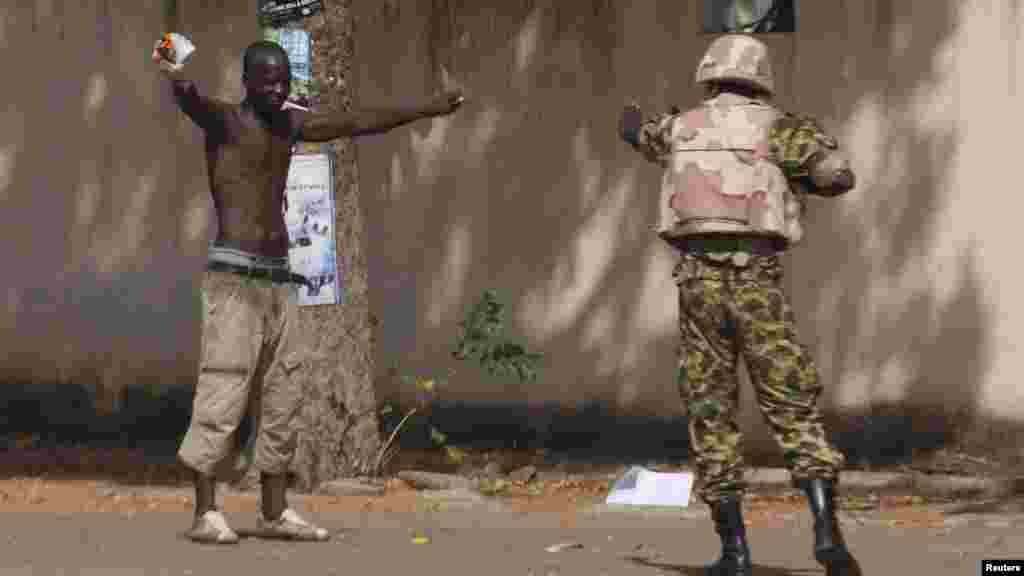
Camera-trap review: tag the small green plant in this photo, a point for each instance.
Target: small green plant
(481, 339)
(426, 390)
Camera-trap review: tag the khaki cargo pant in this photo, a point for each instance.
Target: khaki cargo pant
(248, 362)
(729, 311)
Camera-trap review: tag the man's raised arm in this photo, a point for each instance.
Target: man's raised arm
(331, 126)
(199, 108)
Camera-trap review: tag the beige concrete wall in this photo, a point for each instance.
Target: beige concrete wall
(104, 210)
(905, 288)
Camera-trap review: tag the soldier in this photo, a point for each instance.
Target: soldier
(735, 170)
(251, 353)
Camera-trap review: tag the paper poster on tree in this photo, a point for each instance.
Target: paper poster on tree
(297, 45)
(310, 219)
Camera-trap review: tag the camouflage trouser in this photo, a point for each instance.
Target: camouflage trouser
(726, 311)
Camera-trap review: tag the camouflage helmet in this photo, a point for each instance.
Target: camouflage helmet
(737, 58)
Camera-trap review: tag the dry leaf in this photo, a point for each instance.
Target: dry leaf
(564, 546)
(455, 455)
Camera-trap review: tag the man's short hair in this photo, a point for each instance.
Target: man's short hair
(262, 50)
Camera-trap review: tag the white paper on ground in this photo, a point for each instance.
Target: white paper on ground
(642, 487)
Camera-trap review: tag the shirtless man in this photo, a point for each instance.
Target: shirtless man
(251, 353)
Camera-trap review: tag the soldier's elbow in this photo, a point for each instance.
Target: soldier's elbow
(843, 181)
(833, 176)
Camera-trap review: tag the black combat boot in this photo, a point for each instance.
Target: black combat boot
(735, 558)
(829, 547)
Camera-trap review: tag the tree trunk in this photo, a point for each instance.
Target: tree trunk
(339, 434)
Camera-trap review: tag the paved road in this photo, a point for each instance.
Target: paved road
(478, 542)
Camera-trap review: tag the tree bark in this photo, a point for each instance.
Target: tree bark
(339, 434)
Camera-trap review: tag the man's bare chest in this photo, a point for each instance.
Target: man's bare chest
(251, 150)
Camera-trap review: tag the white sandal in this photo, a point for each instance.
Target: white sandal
(212, 528)
(291, 526)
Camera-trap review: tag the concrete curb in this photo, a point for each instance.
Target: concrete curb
(852, 481)
(910, 482)
(758, 479)
(695, 511)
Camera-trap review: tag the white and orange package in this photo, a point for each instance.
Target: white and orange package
(173, 49)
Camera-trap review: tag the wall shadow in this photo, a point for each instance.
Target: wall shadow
(901, 323)
(588, 431)
(53, 430)
(528, 190)
(104, 215)
(447, 203)
(105, 244)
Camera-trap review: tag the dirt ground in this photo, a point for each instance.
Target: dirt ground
(115, 512)
(99, 529)
(566, 497)
(127, 481)
(41, 495)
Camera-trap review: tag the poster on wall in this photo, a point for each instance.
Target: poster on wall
(749, 16)
(309, 215)
(297, 45)
(273, 12)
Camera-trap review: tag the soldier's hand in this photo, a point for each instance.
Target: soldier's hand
(445, 103)
(629, 125)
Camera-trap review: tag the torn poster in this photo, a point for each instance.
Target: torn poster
(273, 12)
(310, 220)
